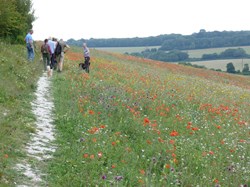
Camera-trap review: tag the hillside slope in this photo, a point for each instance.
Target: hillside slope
(137, 122)
(18, 79)
(130, 122)
(219, 77)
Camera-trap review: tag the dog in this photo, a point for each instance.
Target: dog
(84, 66)
(49, 71)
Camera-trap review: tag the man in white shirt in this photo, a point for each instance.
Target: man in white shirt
(52, 45)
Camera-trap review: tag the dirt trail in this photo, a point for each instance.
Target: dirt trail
(41, 147)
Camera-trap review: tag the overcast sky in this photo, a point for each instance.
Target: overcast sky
(136, 18)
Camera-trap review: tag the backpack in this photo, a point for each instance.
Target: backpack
(45, 48)
(58, 49)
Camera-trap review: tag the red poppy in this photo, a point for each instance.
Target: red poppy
(91, 112)
(195, 128)
(146, 120)
(174, 133)
(167, 166)
(171, 141)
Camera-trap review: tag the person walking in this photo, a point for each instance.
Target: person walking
(86, 54)
(46, 53)
(30, 46)
(60, 53)
(52, 45)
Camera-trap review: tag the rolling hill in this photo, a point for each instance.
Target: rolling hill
(139, 122)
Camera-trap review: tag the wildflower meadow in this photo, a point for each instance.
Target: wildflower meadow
(138, 122)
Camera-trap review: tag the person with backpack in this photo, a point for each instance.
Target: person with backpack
(61, 49)
(46, 54)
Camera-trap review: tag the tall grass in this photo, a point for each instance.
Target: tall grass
(17, 84)
(137, 122)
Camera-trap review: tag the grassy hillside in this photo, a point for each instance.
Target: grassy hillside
(197, 53)
(137, 122)
(17, 84)
(130, 122)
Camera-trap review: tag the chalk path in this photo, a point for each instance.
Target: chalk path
(41, 147)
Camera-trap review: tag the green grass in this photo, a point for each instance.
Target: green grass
(117, 125)
(130, 122)
(17, 84)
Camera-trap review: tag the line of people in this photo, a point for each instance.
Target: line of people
(53, 54)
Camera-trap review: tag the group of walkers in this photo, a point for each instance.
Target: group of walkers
(53, 52)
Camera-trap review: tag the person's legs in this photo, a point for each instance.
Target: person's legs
(87, 64)
(45, 61)
(29, 53)
(52, 61)
(55, 64)
(48, 59)
(32, 54)
(59, 69)
(60, 64)
(87, 67)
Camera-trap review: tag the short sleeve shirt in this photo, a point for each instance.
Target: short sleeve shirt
(86, 52)
(28, 38)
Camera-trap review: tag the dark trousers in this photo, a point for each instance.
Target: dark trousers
(53, 61)
(46, 60)
(87, 63)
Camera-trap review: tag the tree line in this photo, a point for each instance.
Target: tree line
(183, 58)
(167, 42)
(16, 18)
(180, 56)
(230, 68)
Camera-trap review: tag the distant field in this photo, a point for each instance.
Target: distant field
(222, 64)
(216, 64)
(125, 49)
(197, 53)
